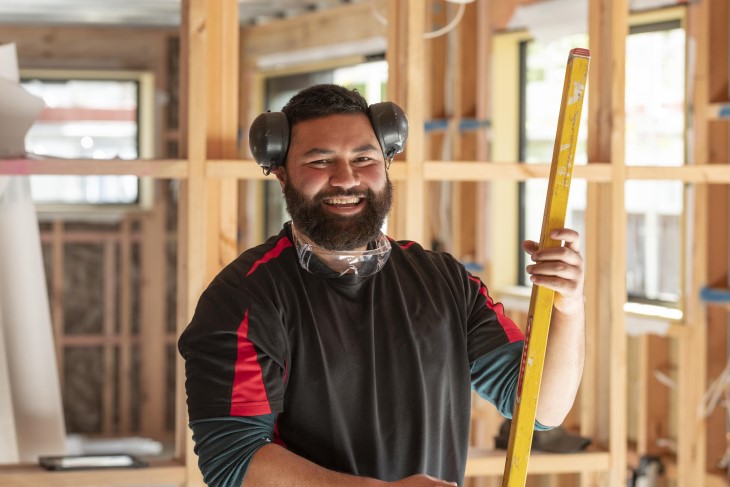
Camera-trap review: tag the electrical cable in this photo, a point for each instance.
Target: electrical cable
(428, 35)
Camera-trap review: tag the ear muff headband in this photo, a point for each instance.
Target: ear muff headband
(269, 134)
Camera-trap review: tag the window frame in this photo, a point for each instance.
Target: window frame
(145, 138)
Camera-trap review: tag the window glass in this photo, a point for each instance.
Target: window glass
(85, 119)
(655, 117)
(655, 95)
(544, 75)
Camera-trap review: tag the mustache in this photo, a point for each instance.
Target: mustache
(354, 193)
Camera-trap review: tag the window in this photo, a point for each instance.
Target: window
(86, 118)
(543, 74)
(654, 136)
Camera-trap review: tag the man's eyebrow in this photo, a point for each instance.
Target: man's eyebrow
(317, 151)
(365, 148)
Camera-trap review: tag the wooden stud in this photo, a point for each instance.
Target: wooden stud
(209, 29)
(691, 434)
(605, 232)
(110, 310)
(223, 46)
(718, 202)
(653, 397)
(57, 289)
(194, 198)
(125, 328)
(414, 225)
(482, 92)
(397, 56)
(153, 309)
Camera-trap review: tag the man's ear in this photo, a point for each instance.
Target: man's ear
(280, 174)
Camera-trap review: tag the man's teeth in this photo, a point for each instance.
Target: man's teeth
(342, 200)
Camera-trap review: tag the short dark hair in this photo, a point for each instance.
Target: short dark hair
(321, 100)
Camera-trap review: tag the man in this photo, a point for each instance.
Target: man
(334, 356)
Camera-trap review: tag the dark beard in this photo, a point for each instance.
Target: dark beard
(334, 232)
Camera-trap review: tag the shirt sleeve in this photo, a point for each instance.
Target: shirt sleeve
(488, 327)
(236, 355)
(226, 445)
(494, 377)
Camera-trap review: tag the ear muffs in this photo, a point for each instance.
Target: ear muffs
(268, 139)
(269, 134)
(391, 128)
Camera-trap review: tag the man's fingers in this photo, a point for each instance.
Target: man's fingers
(569, 236)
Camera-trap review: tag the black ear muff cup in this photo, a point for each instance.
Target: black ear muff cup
(268, 139)
(270, 134)
(391, 127)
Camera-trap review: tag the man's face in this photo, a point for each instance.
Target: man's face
(335, 184)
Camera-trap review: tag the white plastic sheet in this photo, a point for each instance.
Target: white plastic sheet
(26, 320)
(31, 404)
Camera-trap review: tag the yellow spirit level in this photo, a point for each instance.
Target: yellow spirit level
(541, 301)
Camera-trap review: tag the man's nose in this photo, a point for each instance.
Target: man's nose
(344, 175)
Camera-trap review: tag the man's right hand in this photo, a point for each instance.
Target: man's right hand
(422, 480)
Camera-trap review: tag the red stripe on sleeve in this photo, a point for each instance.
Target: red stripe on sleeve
(514, 334)
(282, 244)
(248, 397)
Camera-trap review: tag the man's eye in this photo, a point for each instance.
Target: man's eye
(362, 160)
(319, 162)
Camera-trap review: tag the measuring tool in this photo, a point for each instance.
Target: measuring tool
(541, 301)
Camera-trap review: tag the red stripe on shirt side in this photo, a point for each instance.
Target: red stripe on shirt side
(514, 334)
(282, 244)
(248, 397)
(403, 246)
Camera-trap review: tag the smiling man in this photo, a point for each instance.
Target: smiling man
(332, 355)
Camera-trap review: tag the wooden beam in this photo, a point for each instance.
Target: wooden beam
(153, 311)
(125, 328)
(415, 110)
(69, 46)
(606, 232)
(715, 39)
(397, 92)
(209, 35)
(490, 462)
(692, 354)
(195, 200)
(158, 473)
(450, 170)
(327, 28)
(162, 168)
(482, 94)
(57, 308)
(653, 397)
(222, 129)
(108, 404)
(487, 171)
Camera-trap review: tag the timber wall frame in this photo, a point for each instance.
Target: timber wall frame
(210, 169)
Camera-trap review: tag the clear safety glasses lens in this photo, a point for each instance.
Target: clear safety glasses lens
(331, 263)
